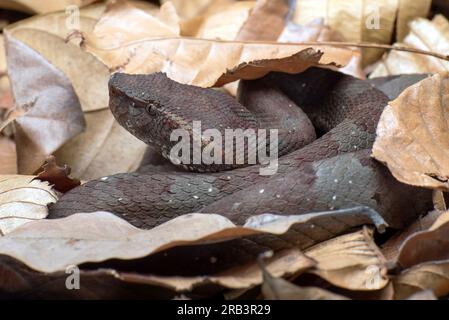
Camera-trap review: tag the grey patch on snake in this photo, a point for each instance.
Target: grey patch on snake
(358, 139)
(355, 182)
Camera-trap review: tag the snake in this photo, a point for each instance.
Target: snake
(327, 125)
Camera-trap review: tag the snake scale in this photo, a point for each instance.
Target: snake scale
(323, 166)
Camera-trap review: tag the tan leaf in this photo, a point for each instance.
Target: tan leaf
(8, 156)
(105, 148)
(100, 236)
(92, 154)
(88, 76)
(426, 35)
(351, 261)
(206, 62)
(283, 263)
(432, 275)
(55, 115)
(355, 20)
(193, 8)
(412, 134)
(427, 245)
(280, 289)
(123, 23)
(390, 249)
(423, 295)
(224, 24)
(266, 21)
(42, 7)
(316, 30)
(22, 199)
(408, 11)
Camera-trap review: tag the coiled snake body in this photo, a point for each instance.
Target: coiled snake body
(334, 171)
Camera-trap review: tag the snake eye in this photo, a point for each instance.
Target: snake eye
(151, 109)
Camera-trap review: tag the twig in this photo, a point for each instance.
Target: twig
(314, 43)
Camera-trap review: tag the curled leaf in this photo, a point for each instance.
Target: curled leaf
(57, 176)
(199, 61)
(99, 236)
(351, 261)
(412, 134)
(23, 199)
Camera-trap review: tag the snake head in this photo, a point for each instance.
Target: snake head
(142, 105)
(152, 106)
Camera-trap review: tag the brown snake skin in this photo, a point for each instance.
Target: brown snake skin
(332, 172)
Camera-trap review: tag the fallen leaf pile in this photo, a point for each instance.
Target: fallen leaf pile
(57, 132)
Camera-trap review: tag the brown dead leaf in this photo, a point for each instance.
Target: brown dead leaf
(390, 249)
(424, 254)
(408, 11)
(266, 21)
(122, 23)
(426, 35)
(432, 275)
(92, 154)
(55, 115)
(105, 148)
(100, 236)
(423, 295)
(224, 24)
(428, 245)
(351, 261)
(355, 20)
(8, 156)
(207, 62)
(193, 8)
(18, 281)
(412, 134)
(284, 263)
(42, 7)
(23, 199)
(317, 31)
(57, 176)
(280, 289)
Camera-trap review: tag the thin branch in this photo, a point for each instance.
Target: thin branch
(313, 43)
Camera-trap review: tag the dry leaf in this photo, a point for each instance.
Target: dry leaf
(105, 148)
(88, 77)
(55, 115)
(224, 24)
(284, 263)
(192, 8)
(351, 261)
(122, 23)
(99, 151)
(266, 21)
(423, 295)
(18, 281)
(57, 176)
(427, 276)
(280, 289)
(390, 249)
(412, 134)
(77, 238)
(357, 21)
(42, 7)
(22, 199)
(408, 11)
(428, 245)
(317, 31)
(206, 62)
(425, 35)
(8, 156)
